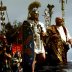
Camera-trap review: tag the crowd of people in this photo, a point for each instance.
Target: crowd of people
(44, 46)
(40, 46)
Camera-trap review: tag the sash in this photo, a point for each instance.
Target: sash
(66, 46)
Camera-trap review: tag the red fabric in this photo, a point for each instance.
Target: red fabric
(16, 47)
(20, 35)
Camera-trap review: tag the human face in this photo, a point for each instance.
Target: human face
(59, 21)
(36, 15)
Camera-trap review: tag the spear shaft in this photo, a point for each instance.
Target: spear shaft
(63, 8)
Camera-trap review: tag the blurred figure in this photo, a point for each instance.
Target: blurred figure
(16, 62)
(33, 51)
(5, 56)
(58, 40)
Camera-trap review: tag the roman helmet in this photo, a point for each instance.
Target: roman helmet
(33, 8)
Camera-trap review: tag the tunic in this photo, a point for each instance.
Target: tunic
(55, 48)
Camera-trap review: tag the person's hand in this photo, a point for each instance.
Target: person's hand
(70, 42)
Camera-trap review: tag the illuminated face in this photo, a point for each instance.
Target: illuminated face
(59, 21)
(36, 15)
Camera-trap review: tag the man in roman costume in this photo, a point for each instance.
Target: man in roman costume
(58, 39)
(32, 36)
